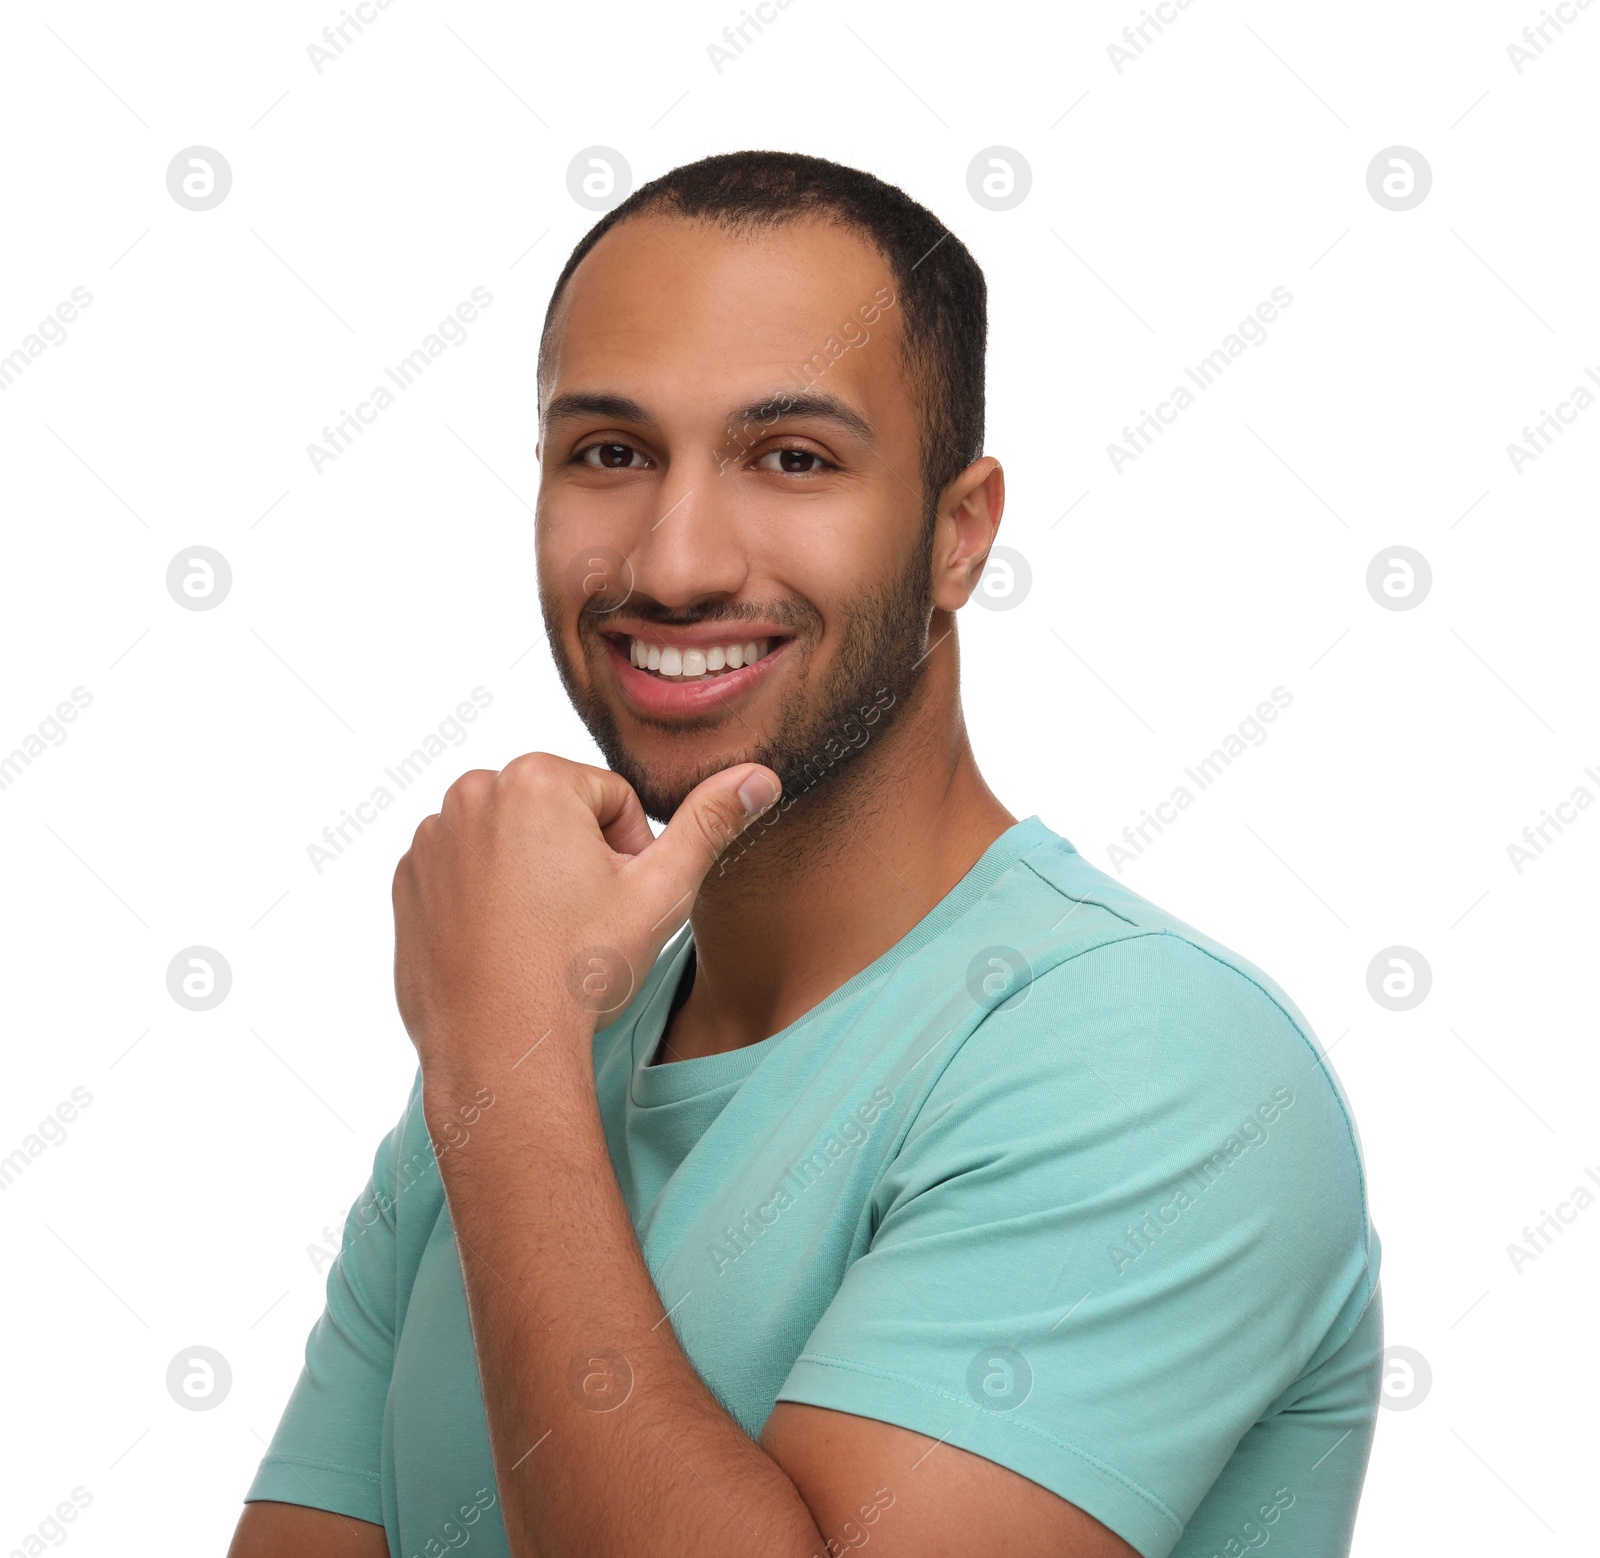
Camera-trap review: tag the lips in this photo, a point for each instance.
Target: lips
(695, 670)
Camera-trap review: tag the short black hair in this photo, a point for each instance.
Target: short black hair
(937, 282)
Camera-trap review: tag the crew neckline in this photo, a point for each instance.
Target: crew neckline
(652, 1086)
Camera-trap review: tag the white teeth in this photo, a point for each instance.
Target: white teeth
(695, 664)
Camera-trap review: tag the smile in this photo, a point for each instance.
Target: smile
(691, 664)
(665, 672)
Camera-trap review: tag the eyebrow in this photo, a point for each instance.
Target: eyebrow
(809, 403)
(769, 410)
(593, 403)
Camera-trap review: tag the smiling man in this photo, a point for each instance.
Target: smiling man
(851, 1165)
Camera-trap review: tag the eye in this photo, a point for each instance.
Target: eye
(792, 462)
(611, 456)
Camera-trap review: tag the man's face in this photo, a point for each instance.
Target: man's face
(730, 494)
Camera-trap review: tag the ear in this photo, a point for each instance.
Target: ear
(969, 516)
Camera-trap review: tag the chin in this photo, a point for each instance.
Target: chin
(663, 784)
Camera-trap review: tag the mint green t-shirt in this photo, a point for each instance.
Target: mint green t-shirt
(1056, 1180)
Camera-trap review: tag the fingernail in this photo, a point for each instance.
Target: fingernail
(758, 792)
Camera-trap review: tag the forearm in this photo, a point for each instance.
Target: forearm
(604, 1437)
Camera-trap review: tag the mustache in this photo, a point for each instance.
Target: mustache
(797, 617)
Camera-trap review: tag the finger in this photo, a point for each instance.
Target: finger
(616, 808)
(712, 815)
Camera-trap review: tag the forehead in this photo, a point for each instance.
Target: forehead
(708, 303)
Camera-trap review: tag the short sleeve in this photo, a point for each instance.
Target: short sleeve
(1126, 1218)
(327, 1450)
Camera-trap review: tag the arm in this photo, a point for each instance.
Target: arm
(268, 1530)
(604, 1437)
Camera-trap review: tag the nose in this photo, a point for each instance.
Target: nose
(696, 546)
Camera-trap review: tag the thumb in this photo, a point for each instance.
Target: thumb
(712, 815)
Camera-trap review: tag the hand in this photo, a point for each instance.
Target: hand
(535, 901)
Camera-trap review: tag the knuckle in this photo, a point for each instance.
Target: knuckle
(471, 787)
(533, 770)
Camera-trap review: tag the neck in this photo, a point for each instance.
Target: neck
(839, 878)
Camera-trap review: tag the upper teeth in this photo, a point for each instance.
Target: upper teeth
(687, 664)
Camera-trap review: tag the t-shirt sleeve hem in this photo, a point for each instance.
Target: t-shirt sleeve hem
(1114, 1499)
(284, 1479)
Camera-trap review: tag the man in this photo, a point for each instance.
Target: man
(931, 1193)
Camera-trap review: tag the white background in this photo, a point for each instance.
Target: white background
(1168, 199)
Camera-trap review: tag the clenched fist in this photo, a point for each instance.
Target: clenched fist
(509, 893)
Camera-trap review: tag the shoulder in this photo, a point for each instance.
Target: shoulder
(1112, 962)
(1136, 1046)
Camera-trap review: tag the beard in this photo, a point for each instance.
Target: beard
(819, 728)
